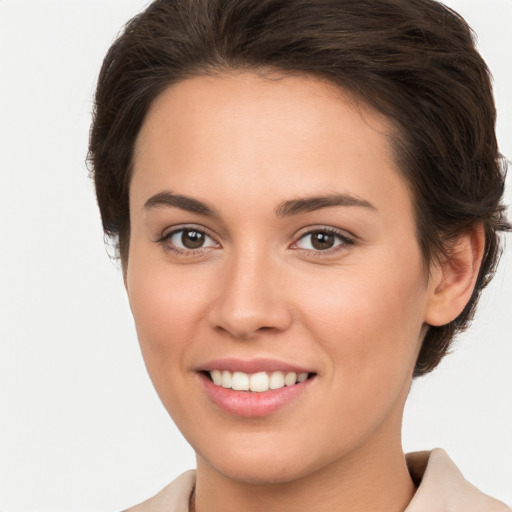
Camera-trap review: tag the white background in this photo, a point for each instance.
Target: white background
(81, 428)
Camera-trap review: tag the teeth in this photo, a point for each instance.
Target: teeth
(256, 382)
(227, 378)
(259, 382)
(290, 379)
(276, 380)
(216, 377)
(240, 381)
(302, 377)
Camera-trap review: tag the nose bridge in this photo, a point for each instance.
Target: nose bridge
(250, 298)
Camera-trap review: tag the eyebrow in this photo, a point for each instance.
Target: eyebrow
(182, 202)
(285, 209)
(309, 204)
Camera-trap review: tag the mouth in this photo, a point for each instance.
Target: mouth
(259, 382)
(254, 388)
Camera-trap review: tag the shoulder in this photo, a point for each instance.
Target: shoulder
(443, 488)
(173, 498)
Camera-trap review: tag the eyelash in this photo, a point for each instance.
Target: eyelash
(164, 240)
(344, 240)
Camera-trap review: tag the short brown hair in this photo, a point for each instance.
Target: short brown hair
(413, 60)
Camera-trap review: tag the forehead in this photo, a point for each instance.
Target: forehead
(267, 137)
(247, 106)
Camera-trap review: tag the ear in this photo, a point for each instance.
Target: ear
(452, 280)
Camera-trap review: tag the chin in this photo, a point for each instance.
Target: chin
(263, 460)
(258, 470)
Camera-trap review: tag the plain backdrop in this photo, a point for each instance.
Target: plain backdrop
(81, 428)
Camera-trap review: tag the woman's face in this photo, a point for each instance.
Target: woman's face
(271, 234)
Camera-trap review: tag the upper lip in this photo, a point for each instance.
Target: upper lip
(251, 366)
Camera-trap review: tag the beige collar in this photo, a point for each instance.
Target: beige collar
(442, 488)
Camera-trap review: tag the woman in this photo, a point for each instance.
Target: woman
(306, 198)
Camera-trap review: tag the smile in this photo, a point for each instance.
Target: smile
(254, 388)
(259, 382)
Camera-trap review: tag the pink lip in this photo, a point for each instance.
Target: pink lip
(249, 404)
(251, 366)
(246, 403)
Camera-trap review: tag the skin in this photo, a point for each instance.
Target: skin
(354, 314)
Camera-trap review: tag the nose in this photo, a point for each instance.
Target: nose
(251, 299)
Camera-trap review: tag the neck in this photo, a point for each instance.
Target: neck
(370, 479)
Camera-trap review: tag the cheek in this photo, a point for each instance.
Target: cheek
(165, 306)
(369, 318)
(370, 329)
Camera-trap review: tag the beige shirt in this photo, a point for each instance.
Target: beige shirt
(442, 489)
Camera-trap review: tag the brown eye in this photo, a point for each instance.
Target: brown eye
(189, 240)
(192, 239)
(322, 240)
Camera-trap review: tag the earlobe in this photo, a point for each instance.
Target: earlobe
(453, 279)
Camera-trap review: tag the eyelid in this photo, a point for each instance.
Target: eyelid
(170, 231)
(347, 238)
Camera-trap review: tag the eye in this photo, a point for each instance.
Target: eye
(322, 240)
(188, 239)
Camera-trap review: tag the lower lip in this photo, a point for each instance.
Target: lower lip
(252, 404)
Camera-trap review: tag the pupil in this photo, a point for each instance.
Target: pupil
(322, 240)
(192, 239)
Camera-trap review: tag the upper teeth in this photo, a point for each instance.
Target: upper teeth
(258, 382)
